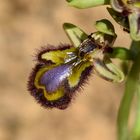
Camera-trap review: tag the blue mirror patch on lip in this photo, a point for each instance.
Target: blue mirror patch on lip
(55, 77)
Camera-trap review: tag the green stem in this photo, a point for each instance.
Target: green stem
(130, 89)
(136, 128)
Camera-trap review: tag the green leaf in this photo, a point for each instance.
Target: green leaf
(105, 27)
(87, 3)
(75, 34)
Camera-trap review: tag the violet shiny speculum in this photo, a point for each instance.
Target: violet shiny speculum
(53, 78)
(61, 71)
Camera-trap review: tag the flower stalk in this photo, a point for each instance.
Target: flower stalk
(131, 87)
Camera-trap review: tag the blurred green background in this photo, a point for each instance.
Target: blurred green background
(25, 26)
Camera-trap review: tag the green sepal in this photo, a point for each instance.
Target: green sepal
(107, 70)
(105, 27)
(75, 34)
(134, 26)
(87, 3)
(123, 21)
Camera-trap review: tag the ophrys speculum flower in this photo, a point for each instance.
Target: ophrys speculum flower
(61, 71)
(129, 9)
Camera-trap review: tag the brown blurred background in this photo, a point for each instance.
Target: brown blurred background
(25, 25)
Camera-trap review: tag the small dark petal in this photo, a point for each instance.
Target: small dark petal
(61, 103)
(138, 24)
(125, 13)
(126, 30)
(108, 50)
(49, 48)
